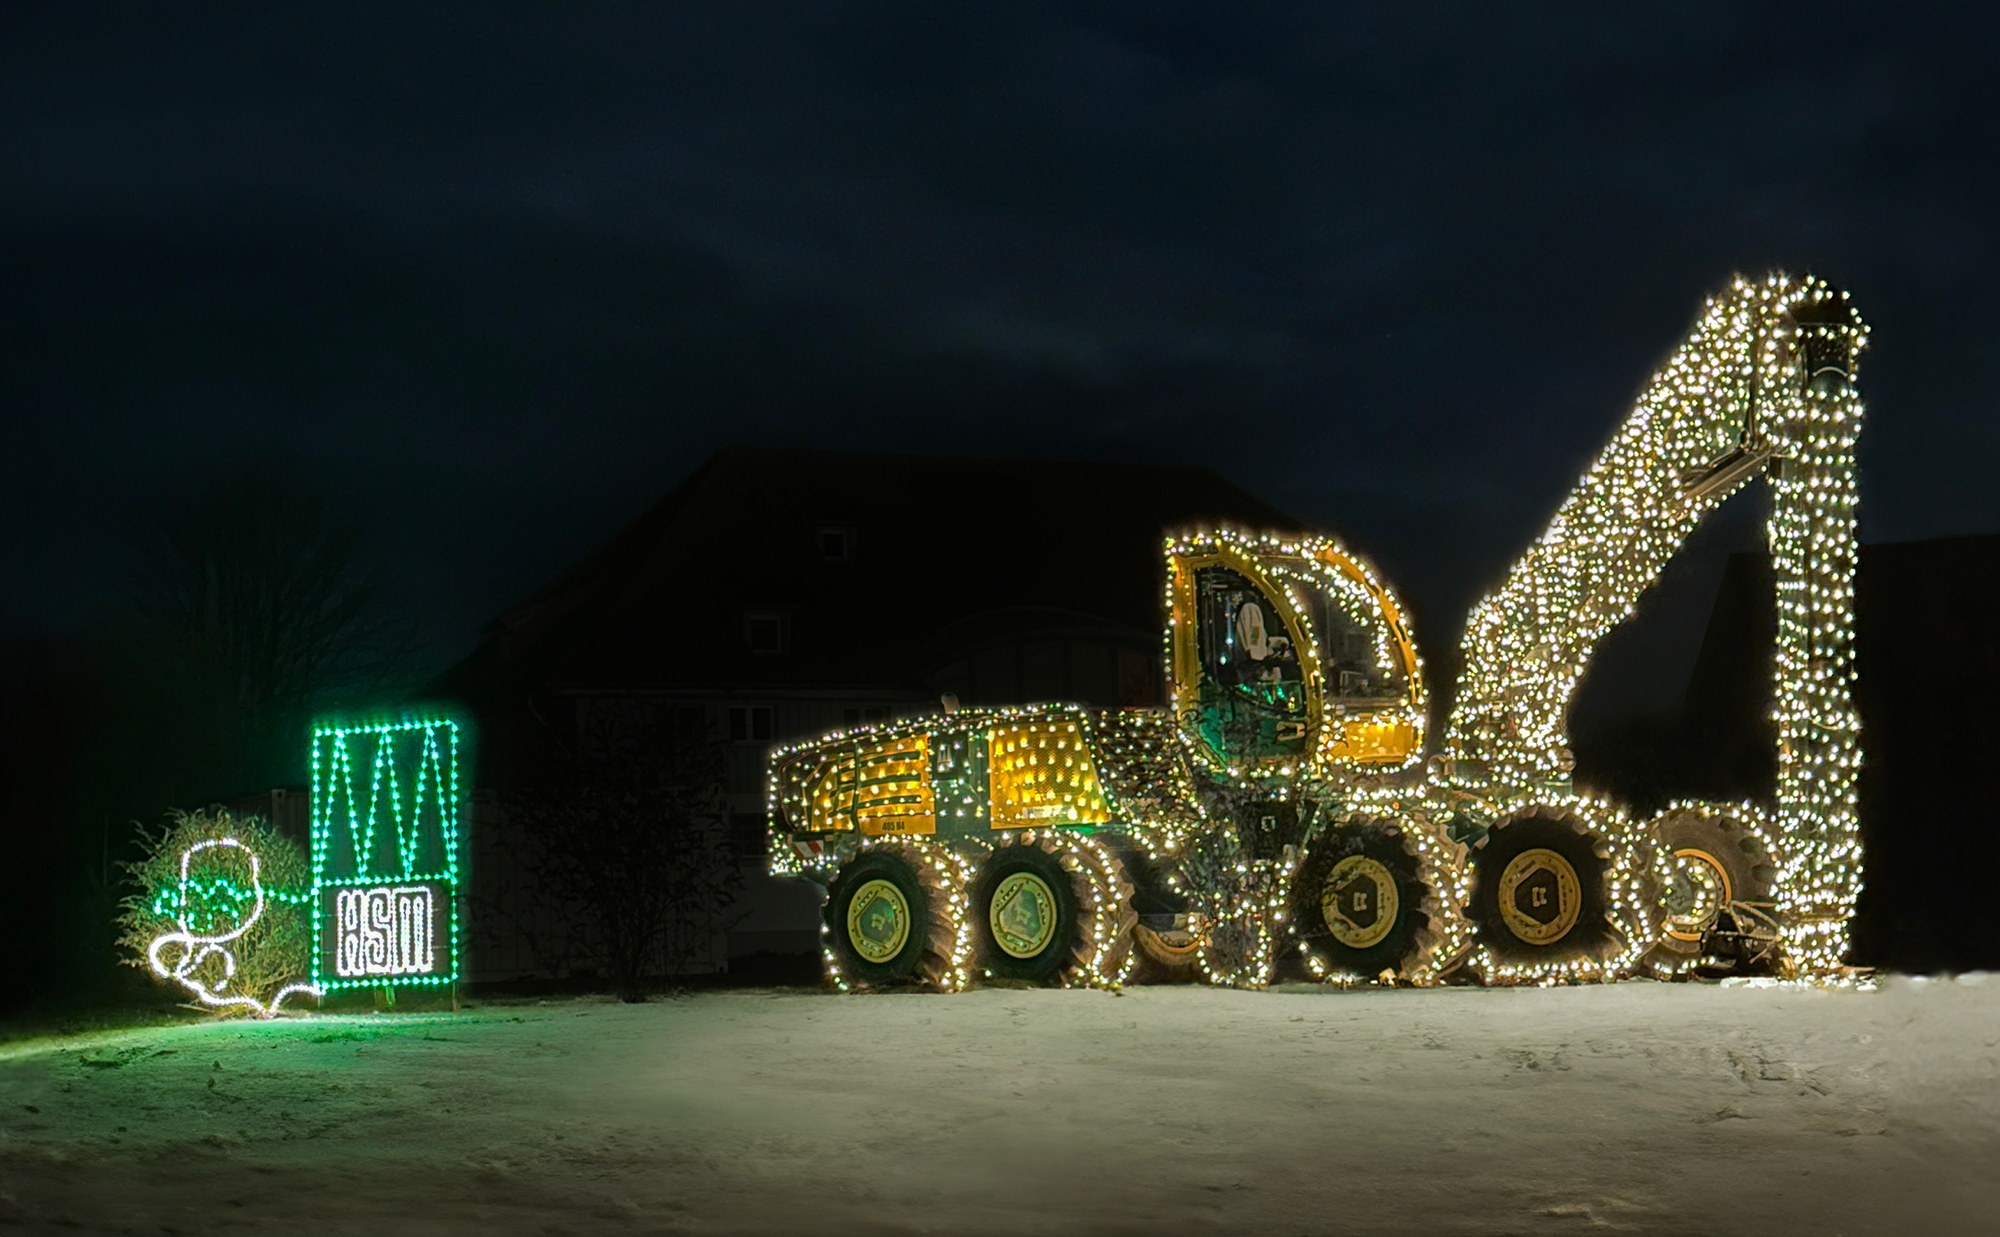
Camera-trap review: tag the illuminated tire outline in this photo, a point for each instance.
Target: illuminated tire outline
(914, 910)
(1022, 915)
(1004, 952)
(1717, 868)
(1166, 937)
(1382, 905)
(1573, 917)
(1402, 931)
(1567, 896)
(881, 945)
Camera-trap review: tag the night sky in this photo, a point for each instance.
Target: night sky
(499, 275)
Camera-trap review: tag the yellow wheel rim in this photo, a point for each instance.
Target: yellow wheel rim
(1358, 902)
(1701, 889)
(1540, 896)
(878, 921)
(1022, 915)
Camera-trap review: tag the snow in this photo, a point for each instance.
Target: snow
(1637, 1107)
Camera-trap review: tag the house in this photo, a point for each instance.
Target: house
(776, 594)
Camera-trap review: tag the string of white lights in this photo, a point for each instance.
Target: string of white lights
(197, 948)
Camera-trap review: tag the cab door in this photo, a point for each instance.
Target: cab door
(1250, 699)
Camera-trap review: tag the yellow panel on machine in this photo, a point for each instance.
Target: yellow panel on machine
(1371, 740)
(1042, 774)
(879, 788)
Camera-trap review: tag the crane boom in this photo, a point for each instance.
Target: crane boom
(1763, 384)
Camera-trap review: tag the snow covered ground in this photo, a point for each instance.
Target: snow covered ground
(1638, 1107)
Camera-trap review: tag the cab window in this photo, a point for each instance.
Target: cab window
(1254, 696)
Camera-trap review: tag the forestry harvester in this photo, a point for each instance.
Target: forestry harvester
(1286, 812)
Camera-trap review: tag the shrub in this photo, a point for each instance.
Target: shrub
(197, 887)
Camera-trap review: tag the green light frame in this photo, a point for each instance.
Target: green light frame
(438, 743)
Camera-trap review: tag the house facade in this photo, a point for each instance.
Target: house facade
(775, 595)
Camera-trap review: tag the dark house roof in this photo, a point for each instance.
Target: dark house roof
(878, 568)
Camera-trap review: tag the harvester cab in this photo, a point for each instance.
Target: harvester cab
(1288, 657)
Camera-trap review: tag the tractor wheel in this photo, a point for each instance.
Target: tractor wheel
(1359, 904)
(1539, 891)
(1166, 939)
(888, 919)
(1168, 952)
(1026, 918)
(1719, 875)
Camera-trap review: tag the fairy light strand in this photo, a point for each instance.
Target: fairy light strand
(196, 948)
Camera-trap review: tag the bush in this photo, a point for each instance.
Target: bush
(197, 888)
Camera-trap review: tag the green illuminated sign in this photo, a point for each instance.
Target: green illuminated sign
(386, 817)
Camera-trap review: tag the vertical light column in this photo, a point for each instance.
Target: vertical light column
(1813, 558)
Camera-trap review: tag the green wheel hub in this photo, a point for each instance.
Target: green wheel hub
(878, 921)
(1022, 915)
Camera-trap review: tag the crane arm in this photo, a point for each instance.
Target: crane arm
(1763, 383)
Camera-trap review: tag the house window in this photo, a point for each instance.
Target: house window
(752, 723)
(836, 544)
(687, 724)
(749, 834)
(764, 631)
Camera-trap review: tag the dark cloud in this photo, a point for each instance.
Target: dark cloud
(500, 274)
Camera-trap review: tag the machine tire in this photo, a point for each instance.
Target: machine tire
(890, 882)
(1352, 862)
(1166, 955)
(1165, 949)
(1035, 931)
(1721, 861)
(1103, 886)
(1539, 891)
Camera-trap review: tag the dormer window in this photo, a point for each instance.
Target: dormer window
(836, 543)
(766, 631)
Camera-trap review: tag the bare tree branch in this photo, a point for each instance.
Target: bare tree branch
(252, 607)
